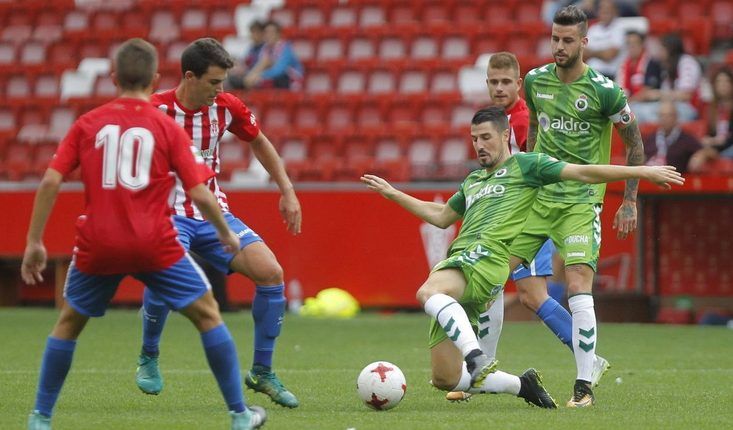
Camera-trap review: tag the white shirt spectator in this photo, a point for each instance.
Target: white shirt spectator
(602, 37)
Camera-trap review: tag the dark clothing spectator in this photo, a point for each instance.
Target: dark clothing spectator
(674, 149)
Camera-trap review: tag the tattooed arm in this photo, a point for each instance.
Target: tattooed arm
(625, 219)
(532, 131)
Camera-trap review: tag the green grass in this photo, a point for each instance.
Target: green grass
(673, 377)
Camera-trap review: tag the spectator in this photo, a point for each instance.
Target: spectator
(605, 40)
(719, 109)
(237, 74)
(680, 78)
(639, 70)
(670, 145)
(278, 67)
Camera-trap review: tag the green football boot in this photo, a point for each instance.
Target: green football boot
(148, 376)
(37, 421)
(263, 380)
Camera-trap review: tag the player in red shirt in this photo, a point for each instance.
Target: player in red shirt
(205, 112)
(504, 82)
(126, 150)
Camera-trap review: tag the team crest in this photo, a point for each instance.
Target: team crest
(581, 103)
(500, 173)
(214, 127)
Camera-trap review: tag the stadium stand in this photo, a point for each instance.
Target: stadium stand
(389, 84)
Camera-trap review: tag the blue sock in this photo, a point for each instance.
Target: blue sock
(268, 308)
(222, 357)
(54, 368)
(155, 312)
(558, 319)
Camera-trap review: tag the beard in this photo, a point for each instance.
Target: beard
(570, 62)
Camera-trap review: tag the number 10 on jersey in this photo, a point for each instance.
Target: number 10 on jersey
(127, 158)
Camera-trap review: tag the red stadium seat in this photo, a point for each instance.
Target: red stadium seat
(194, 24)
(722, 15)
(392, 47)
(221, 23)
(453, 158)
(421, 157)
(371, 16)
(330, 48)
(233, 156)
(402, 14)
(47, 33)
(47, 88)
(388, 149)
(294, 150)
(305, 49)
(318, 81)
(413, 82)
(18, 88)
(284, 17)
(444, 81)
(467, 14)
(42, 157)
(351, 81)
(7, 123)
(343, 17)
(276, 117)
(7, 55)
(360, 48)
(16, 34)
(61, 120)
(311, 17)
(455, 47)
(76, 21)
(370, 116)
(17, 162)
(381, 81)
(461, 116)
(424, 47)
(340, 117)
(32, 133)
(436, 12)
(163, 27)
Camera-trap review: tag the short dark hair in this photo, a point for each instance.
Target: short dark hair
(256, 25)
(504, 60)
(572, 15)
(136, 62)
(203, 53)
(492, 114)
(637, 33)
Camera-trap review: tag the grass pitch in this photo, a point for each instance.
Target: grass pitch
(671, 377)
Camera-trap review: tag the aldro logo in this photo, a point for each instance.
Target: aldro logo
(490, 190)
(563, 124)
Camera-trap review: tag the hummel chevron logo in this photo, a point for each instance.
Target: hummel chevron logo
(483, 333)
(585, 346)
(587, 333)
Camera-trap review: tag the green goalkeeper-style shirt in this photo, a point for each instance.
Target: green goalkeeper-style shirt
(574, 125)
(494, 205)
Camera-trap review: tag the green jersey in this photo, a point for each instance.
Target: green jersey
(494, 205)
(574, 125)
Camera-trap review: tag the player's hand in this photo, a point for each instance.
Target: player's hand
(290, 211)
(665, 176)
(230, 242)
(34, 261)
(375, 183)
(625, 220)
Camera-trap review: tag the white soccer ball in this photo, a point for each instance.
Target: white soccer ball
(381, 385)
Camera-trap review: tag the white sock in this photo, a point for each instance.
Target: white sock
(489, 327)
(497, 382)
(452, 317)
(585, 334)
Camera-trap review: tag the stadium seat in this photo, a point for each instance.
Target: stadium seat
(461, 116)
(351, 81)
(371, 16)
(381, 81)
(7, 56)
(444, 81)
(47, 89)
(221, 23)
(47, 33)
(16, 34)
(452, 158)
(276, 117)
(467, 14)
(421, 157)
(340, 117)
(387, 149)
(60, 122)
(305, 49)
(311, 17)
(194, 24)
(232, 156)
(455, 48)
(284, 17)
(722, 15)
(293, 150)
(42, 156)
(413, 82)
(318, 81)
(76, 21)
(360, 48)
(424, 47)
(75, 84)
(392, 47)
(163, 27)
(370, 116)
(18, 88)
(7, 123)
(32, 133)
(33, 56)
(343, 17)
(330, 48)
(436, 12)
(17, 162)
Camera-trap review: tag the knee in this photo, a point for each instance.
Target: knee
(443, 381)
(424, 293)
(531, 298)
(272, 274)
(204, 313)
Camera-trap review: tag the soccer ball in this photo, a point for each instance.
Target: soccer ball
(381, 385)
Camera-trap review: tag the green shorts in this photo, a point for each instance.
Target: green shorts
(575, 228)
(486, 268)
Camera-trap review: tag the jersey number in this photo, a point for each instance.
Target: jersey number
(127, 158)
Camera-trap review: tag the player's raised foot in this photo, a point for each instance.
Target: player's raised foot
(458, 396)
(252, 418)
(582, 395)
(533, 392)
(479, 366)
(148, 376)
(600, 367)
(263, 380)
(38, 421)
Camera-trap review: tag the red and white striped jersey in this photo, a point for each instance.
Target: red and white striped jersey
(206, 126)
(519, 126)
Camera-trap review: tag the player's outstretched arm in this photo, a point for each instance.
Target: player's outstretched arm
(664, 176)
(206, 202)
(438, 214)
(34, 257)
(625, 220)
(289, 205)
